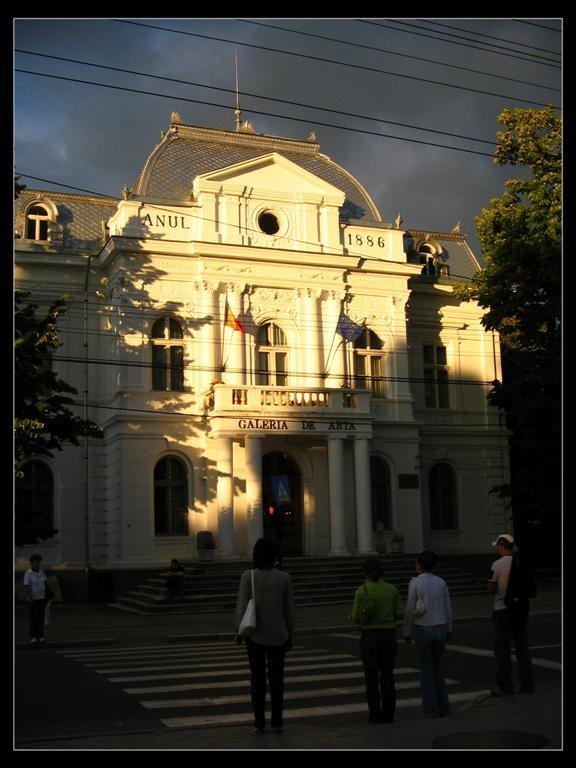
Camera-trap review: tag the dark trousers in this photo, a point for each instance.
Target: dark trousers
(378, 648)
(37, 609)
(507, 630)
(266, 661)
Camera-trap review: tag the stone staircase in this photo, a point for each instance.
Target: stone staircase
(212, 587)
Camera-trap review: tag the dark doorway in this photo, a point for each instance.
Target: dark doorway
(282, 502)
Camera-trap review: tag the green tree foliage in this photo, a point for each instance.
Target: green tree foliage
(520, 287)
(43, 418)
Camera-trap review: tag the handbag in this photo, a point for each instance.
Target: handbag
(367, 608)
(48, 593)
(420, 608)
(248, 623)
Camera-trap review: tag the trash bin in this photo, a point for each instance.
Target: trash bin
(102, 586)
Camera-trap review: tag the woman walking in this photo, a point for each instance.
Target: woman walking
(428, 617)
(378, 642)
(268, 643)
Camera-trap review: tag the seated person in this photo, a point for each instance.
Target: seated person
(175, 580)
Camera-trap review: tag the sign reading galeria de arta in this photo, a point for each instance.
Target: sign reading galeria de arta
(324, 427)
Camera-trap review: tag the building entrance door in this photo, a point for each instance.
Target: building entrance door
(282, 502)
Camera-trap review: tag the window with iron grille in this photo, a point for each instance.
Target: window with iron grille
(170, 497)
(167, 355)
(35, 495)
(271, 356)
(443, 506)
(369, 363)
(435, 376)
(381, 493)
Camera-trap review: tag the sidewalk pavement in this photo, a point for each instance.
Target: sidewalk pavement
(513, 722)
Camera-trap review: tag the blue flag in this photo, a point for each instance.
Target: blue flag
(347, 328)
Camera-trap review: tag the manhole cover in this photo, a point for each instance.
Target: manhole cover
(490, 740)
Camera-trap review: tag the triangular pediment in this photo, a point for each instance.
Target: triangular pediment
(268, 173)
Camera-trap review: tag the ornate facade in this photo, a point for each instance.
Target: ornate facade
(267, 356)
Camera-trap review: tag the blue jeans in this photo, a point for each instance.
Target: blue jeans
(430, 643)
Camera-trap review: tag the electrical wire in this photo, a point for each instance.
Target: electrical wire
(410, 56)
(535, 59)
(335, 61)
(256, 96)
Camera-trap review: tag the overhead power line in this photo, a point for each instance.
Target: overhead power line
(452, 42)
(333, 61)
(308, 121)
(542, 26)
(252, 95)
(491, 37)
(426, 60)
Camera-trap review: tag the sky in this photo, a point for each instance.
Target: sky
(417, 81)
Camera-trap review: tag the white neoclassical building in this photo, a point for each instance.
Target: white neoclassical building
(267, 356)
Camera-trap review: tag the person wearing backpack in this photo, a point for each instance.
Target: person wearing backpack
(512, 584)
(428, 617)
(377, 607)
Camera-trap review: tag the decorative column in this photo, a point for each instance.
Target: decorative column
(333, 343)
(207, 335)
(254, 489)
(233, 351)
(309, 328)
(336, 482)
(363, 495)
(225, 498)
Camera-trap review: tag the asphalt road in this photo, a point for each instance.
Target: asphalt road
(131, 688)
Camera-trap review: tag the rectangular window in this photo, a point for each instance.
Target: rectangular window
(159, 369)
(436, 392)
(262, 376)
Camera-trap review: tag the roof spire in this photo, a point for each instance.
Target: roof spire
(237, 110)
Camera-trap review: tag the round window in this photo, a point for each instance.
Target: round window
(268, 223)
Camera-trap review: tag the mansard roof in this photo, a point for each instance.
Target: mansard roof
(187, 151)
(81, 218)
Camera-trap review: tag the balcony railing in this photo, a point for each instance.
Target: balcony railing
(226, 398)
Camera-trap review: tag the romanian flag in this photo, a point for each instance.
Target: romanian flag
(230, 320)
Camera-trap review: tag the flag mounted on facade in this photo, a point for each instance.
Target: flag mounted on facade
(230, 320)
(347, 328)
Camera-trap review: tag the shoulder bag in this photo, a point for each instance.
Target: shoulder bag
(248, 623)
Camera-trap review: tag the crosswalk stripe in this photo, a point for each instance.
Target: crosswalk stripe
(129, 651)
(222, 672)
(181, 655)
(292, 714)
(313, 693)
(216, 664)
(481, 652)
(288, 680)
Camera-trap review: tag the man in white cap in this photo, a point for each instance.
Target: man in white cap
(510, 621)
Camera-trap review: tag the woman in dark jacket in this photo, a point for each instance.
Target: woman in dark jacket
(271, 639)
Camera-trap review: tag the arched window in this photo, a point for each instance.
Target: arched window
(35, 498)
(170, 497)
(369, 363)
(381, 493)
(37, 218)
(167, 355)
(271, 356)
(442, 490)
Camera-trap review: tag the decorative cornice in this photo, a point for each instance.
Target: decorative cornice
(52, 195)
(247, 139)
(428, 235)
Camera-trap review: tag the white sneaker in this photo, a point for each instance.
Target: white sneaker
(42, 640)
(33, 640)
